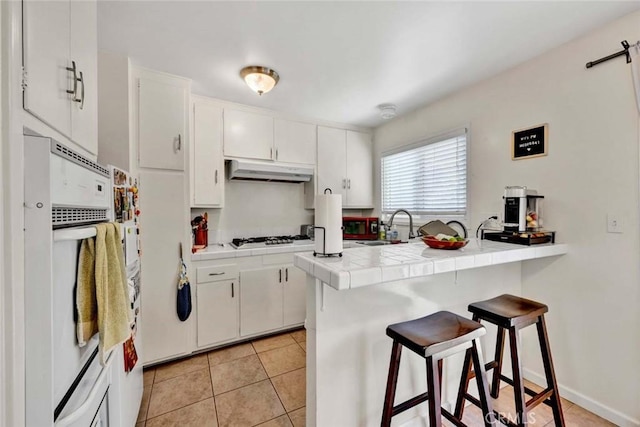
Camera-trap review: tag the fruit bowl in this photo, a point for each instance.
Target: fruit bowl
(434, 243)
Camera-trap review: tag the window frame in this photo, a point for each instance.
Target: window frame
(421, 142)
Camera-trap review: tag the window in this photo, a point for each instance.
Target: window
(428, 177)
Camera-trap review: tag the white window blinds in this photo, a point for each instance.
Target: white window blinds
(427, 178)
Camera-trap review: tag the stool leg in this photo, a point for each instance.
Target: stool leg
(497, 371)
(433, 389)
(483, 386)
(465, 377)
(518, 386)
(558, 416)
(392, 380)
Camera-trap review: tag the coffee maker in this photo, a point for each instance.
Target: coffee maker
(522, 209)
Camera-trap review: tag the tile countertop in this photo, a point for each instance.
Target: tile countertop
(227, 251)
(365, 266)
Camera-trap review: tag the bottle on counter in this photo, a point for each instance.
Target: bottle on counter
(394, 233)
(382, 231)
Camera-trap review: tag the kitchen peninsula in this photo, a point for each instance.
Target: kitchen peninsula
(352, 299)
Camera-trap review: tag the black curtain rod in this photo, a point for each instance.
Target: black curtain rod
(625, 51)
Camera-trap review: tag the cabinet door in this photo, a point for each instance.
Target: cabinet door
(295, 295)
(248, 135)
(208, 163)
(84, 51)
(260, 300)
(217, 305)
(359, 170)
(46, 58)
(163, 225)
(295, 142)
(332, 161)
(162, 138)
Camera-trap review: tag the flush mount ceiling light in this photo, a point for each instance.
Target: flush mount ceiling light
(387, 111)
(260, 79)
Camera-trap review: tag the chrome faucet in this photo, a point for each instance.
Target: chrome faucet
(390, 223)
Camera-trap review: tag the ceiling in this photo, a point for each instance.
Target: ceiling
(338, 60)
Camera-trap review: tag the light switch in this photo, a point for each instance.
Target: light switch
(614, 223)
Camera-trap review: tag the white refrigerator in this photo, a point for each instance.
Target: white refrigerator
(127, 368)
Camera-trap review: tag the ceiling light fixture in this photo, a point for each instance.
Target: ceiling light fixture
(260, 79)
(387, 111)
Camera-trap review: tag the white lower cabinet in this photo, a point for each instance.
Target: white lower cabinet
(217, 308)
(295, 296)
(261, 300)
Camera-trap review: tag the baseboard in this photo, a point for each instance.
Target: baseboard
(580, 399)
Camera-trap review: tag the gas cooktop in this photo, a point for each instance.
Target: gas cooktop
(261, 242)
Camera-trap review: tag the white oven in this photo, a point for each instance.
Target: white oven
(64, 194)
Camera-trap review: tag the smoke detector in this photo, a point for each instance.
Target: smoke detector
(387, 111)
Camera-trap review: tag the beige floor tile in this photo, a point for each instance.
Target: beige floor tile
(577, 416)
(299, 335)
(200, 414)
(298, 417)
(303, 345)
(281, 421)
(144, 405)
(291, 388)
(148, 376)
(237, 373)
(179, 392)
(180, 367)
(248, 406)
(271, 343)
(283, 360)
(228, 354)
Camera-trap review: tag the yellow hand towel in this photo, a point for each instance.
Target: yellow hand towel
(86, 303)
(111, 289)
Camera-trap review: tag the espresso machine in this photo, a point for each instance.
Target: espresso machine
(522, 218)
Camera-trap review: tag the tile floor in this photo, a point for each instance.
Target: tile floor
(262, 382)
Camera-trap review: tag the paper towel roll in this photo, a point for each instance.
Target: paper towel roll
(328, 215)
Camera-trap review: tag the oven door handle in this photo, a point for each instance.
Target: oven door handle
(82, 409)
(73, 234)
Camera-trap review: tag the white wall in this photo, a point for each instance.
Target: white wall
(591, 170)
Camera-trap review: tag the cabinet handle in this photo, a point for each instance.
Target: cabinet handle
(179, 142)
(271, 153)
(286, 274)
(280, 280)
(216, 176)
(232, 290)
(349, 183)
(75, 80)
(81, 100)
(344, 183)
(276, 154)
(216, 274)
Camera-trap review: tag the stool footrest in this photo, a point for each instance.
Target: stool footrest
(488, 366)
(539, 398)
(449, 416)
(531, 392)
(401, 407)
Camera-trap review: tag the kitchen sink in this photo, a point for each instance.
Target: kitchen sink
(374, 243)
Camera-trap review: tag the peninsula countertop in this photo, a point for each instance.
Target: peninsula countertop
(364, 266)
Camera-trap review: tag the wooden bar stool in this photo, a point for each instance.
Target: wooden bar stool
(512, 313)
(434, 337)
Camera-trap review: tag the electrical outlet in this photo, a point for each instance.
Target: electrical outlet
(614, 223)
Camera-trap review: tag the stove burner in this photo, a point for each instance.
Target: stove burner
(268, 240)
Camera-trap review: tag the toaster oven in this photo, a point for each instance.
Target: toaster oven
(359, 228)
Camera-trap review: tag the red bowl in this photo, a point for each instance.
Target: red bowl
(434, 243)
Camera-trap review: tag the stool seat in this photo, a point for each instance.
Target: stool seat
(435, 333)
(508, 310)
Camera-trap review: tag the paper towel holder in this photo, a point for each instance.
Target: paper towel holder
(324, 235)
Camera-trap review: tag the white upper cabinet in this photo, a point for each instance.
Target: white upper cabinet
(162, 122)
(84, 50)
(359, 170)
(332, 161)
(248, 135)
(345, 165)
(60, 67)
(207, 160)
(295, 142)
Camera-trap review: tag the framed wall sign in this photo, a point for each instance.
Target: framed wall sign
(530, 142)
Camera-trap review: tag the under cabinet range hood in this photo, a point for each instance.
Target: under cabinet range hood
(269, 171)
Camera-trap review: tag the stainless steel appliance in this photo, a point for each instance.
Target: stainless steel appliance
(263, 242)
(522, 209)
(307, 230)
(359, 228)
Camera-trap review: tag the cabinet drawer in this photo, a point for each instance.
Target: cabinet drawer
(216, 273)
